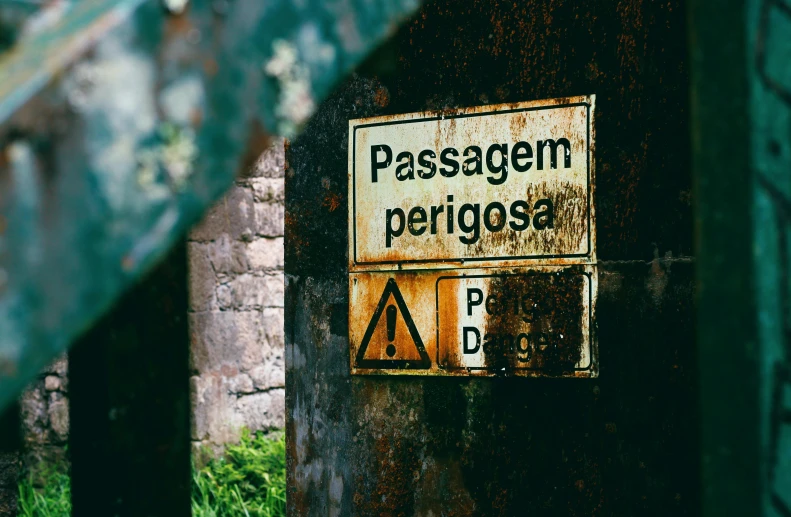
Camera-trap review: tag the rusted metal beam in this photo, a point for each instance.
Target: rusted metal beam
(121, 122)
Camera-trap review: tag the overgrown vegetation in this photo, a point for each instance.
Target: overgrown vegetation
(248, 481)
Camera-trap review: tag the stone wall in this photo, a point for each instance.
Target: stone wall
(44, 411)
(236, 308)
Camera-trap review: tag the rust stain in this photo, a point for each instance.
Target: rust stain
(569, 229)
(382, 97)
(332, 201)
(292, 224)
(392, 450)
(442, 484)
(392, 494)
(555, 335)
(448, 316)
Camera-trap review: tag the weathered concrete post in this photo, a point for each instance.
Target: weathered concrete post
(388, 312)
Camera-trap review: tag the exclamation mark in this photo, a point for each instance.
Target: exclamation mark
(391, 320)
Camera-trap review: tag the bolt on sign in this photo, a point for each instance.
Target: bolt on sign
(472, 241)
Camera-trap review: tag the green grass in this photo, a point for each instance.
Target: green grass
(53, 500)
(248, 481)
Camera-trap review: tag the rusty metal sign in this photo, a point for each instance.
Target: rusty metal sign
(472, 241)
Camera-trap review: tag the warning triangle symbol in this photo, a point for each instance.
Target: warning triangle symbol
(391, 340)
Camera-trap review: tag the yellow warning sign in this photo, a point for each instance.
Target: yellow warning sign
(525, 322)
(391, 339)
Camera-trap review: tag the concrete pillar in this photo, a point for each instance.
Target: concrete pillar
(623, 444)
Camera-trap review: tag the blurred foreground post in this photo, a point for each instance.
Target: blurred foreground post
(741, 108)
(130, 436)
(726, 308)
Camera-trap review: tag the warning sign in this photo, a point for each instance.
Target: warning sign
(498, 185)
(472, 241)
(392, 341)
(494, 321)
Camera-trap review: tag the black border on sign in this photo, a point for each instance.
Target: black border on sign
(468, 115)
(526, 273)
